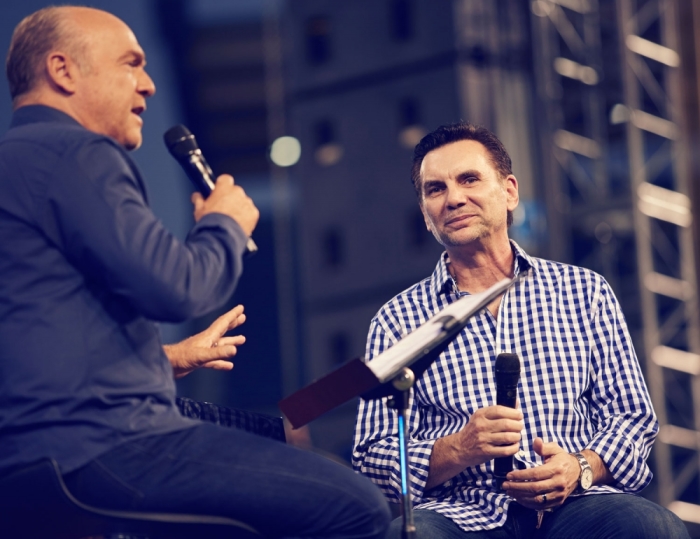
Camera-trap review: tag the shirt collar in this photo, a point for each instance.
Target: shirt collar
(31, 114)
(442, 282)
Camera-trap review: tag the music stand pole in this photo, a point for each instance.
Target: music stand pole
(399, 401)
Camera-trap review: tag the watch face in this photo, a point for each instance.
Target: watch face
(586, 478)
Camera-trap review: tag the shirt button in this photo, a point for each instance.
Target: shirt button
(499, 510)
(521, 453)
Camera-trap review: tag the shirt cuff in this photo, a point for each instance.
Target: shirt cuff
(220, 220)
(419, 453)
(623, 459)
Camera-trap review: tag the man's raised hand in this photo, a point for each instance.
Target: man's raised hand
(209, 349)
(229, 199)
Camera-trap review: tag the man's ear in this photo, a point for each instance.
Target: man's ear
(61, 72)
(512, 192)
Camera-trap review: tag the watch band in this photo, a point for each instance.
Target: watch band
(585, 478)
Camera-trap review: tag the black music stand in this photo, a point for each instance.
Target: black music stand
(356, 378)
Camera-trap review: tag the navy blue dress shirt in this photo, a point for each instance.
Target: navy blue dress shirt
(85, 271)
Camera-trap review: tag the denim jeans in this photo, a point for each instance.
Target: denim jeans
(600, 516)
(278, 489)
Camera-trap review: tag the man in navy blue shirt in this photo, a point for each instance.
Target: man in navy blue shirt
(86, 271)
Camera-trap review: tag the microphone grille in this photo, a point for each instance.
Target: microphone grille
(507, 363)
(180, 141)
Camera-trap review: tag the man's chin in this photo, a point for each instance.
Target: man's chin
(457, 240)
(132, 143)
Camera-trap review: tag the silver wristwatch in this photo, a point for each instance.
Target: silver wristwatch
(585, 480)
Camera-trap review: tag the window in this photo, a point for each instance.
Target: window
(328, 152)
(409, 120)
(409, 112)
(318, 46)
(333, 248)
(339, 347)
(401, 19)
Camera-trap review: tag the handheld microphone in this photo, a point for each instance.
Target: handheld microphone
(507, 377)
(184, 148)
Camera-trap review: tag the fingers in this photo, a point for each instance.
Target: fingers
(198, 203)
(502, 412)
(507, 425)
(546, 449)
(236, 340)
(227, 321)
(205, 355)
(225, 180)
(219, 365)
(541, 502)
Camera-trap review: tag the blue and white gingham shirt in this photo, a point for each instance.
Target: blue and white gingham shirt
(580, 386)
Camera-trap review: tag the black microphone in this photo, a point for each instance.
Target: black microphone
(507, 376)
(183, 147)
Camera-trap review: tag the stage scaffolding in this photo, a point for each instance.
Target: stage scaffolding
(608, 82)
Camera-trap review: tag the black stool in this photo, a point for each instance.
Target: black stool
(35, 504)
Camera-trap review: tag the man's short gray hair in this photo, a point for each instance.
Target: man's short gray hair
(34, 37)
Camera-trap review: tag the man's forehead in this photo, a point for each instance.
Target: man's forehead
(102, 27)
(454, 158)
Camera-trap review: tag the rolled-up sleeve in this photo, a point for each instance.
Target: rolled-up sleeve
(376, 443)
(621, 409)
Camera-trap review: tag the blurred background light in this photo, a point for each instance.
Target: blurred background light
(285, 151)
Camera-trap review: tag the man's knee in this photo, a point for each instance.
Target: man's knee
(651, 521)
(616, 516)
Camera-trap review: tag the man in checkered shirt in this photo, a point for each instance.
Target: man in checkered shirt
(584, 424)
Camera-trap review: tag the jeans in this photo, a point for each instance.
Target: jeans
(278, 489)
(600, 516)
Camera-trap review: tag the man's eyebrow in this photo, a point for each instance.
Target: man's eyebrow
(469, 174)
(136, 55)
(431, 183)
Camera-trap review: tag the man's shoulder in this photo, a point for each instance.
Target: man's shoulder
(45, 149)
(54, 137)
(569, 282)
(409, 307)
(551, 269)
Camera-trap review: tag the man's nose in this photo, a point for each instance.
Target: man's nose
(456, 197)
(146, 85)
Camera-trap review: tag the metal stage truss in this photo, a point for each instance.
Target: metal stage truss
(597, 116)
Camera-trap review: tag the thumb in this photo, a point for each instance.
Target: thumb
(546, 450)
(197, 200)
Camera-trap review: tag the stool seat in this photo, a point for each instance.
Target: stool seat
(36, 504)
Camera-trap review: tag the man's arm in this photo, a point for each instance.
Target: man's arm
(110, 234)
(620, 407)
(375, 445)
(491, 432)
(209, 348)
(557, 478)
(432, 461)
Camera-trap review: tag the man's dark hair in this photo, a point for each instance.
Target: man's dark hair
(34, 37)
(446, 134)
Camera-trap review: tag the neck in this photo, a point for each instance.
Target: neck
(47, 99)
(477, 267)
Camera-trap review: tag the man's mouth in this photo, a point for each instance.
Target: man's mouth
(458, 219)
